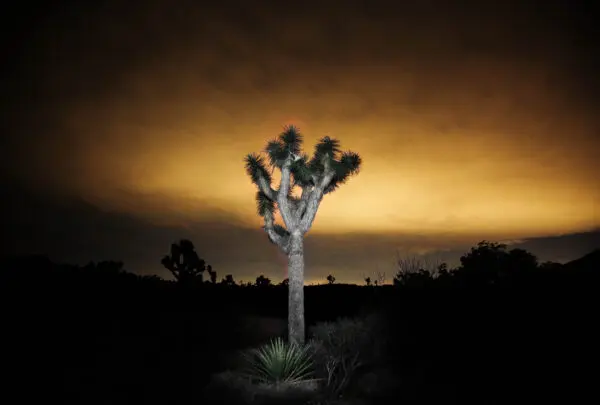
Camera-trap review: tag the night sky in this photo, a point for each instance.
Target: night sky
(126, 124)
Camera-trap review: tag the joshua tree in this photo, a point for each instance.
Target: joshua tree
(330, 279)
(368, 281)
(315, 177)
(184, 263)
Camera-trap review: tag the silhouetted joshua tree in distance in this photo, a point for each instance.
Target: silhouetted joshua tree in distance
(330, 279)
(184, 263)
(315, 177)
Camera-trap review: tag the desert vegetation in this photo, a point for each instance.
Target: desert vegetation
(497, 328)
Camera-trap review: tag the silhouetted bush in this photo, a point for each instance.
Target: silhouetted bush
(262, 281)
(345, 348)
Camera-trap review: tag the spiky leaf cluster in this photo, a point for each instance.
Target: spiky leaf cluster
(276, 152)
(264, 205)
(279, 362)
(327, 146)
(292, 139)
(255, 167)
(305, 172)
(288, 142)
(348, 165)
(301, 171)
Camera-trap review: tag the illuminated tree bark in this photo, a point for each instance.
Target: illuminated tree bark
(322, 174)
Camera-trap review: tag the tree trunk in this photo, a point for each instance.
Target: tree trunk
(296, 288)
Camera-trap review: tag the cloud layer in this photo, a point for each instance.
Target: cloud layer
(472, 123)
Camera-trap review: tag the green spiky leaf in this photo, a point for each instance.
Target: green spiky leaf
(291, 139)
(328, 146)
(277, 153)
(351, 161)
(316, 166)
(255, 167)
(264, 205)
(301, 171)
(348, 165)
(332, 186)
(279, 362)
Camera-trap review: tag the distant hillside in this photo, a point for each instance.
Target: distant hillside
(589, 262)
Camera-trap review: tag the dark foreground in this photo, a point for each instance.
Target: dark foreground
(106, 342)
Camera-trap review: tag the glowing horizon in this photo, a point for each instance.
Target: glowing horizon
(425, 194)
(470, 127)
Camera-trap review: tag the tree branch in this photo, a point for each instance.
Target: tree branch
(282, 197)
(266, 188)
(316, 196)
(306, 192)
(281, 241)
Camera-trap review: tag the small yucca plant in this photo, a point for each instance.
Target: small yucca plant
(279, 362)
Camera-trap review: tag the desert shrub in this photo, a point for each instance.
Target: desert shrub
(344, 349)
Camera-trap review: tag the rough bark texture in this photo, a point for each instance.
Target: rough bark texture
(296, 327)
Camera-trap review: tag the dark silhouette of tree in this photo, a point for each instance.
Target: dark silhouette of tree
(490, 263)
(330, 279)
(212, 274)
(417, 279)
(228, 280)
(368, 281)
(262, 281)
(414, 271)
(285, 282)
(518, 263)
(243, 283)
(322, 174)
(110, 266)
(153, 278)
(442, 269)
(550, 266)
(444, 274)
(184, 263)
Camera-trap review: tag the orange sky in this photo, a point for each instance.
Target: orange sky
(484, 164)
(464, 127)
